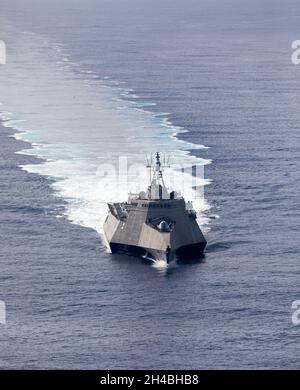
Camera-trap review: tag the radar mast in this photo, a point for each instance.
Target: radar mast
(157, 188)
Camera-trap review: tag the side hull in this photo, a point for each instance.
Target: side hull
(193, 251)
(130, 250)
(138, 251)
(185, 252)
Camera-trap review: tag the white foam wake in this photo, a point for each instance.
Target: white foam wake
(80, 125)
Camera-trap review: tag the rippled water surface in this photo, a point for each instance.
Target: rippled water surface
(212, 84)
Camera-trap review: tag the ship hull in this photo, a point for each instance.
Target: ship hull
(161, 230)
(194, 251)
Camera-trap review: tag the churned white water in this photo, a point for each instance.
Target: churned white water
(93, 135)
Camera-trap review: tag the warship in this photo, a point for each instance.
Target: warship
(156, 224)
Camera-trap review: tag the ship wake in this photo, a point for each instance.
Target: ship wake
(80, 125)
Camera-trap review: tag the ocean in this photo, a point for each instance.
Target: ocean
(210, 83)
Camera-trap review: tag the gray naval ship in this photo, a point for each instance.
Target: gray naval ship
(154, 224)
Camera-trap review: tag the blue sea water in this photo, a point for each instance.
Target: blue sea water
(88, 81)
